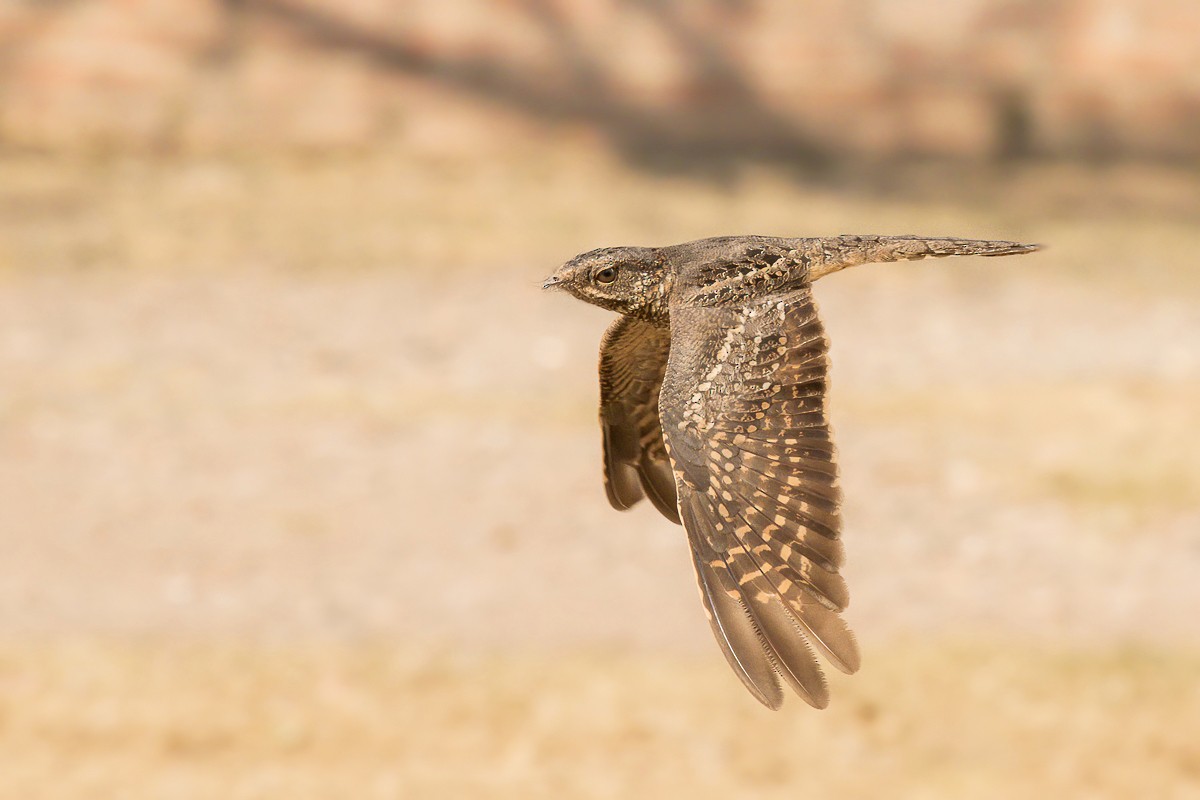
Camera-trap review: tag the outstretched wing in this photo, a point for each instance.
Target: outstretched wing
(744, 419)
(633, 357)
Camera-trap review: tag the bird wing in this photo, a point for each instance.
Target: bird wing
(743, 411)
(633, 357)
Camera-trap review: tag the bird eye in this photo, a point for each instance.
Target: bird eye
(606, 275)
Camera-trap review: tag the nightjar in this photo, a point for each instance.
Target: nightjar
(712, 404)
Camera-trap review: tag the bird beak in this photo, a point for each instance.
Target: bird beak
(552, 281)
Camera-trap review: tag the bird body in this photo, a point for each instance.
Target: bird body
(713, 405)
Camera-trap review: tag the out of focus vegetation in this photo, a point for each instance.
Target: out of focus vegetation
(952, 721)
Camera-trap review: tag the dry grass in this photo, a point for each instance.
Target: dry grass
(931, 720)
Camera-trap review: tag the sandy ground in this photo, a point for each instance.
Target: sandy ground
(279, 520)
(925, 720)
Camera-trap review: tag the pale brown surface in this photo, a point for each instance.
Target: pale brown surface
(933, 719)
(300, 492)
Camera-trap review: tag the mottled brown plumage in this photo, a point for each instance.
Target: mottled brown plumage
(712, 404)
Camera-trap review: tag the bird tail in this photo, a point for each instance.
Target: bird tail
(834, 253)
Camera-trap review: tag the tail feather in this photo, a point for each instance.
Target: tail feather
(835, 253)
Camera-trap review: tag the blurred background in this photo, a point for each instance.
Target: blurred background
(299, 470)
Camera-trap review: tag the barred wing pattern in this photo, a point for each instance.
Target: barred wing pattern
(746, 429)
(633, 357)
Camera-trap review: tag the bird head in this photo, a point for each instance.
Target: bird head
(630, 280)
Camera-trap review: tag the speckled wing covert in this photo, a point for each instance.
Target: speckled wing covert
(633, 357)
(747, 433)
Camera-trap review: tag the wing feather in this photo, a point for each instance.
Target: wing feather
(633, 358)
(779, 640)
(778, 635)
(746, 429)
(736, 633)
(795, 565)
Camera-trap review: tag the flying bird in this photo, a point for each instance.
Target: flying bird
(713, 405)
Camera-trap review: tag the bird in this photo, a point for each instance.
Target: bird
(713, 405)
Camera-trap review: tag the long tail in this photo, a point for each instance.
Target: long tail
(838, 252)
